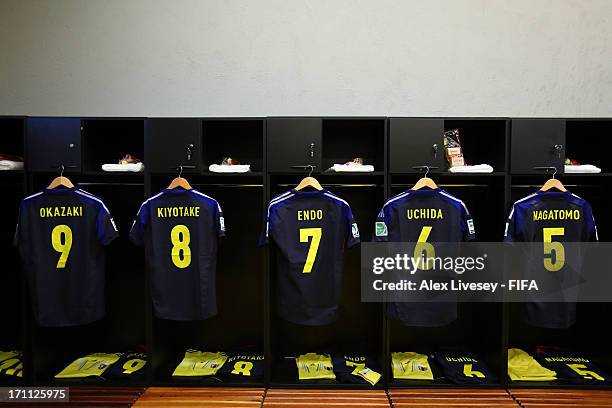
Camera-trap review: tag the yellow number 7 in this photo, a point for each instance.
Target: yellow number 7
(306, 233)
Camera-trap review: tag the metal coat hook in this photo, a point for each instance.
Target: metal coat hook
(311, 167)
(547, 168)
(180, 171)
(426, 168)
(61, 169)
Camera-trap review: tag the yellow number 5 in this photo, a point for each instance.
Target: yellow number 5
(62, 245)
(557, 247)
(180, 243)
(306, 233)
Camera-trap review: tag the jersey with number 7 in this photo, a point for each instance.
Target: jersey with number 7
(180, 230)
(60, 235)
(311, 230)
(551, 217)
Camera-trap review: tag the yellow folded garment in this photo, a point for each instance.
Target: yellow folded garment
(523, 367)
(91, 365)
(411, 365)
(11, 364)
(313, 366)
(200, 363)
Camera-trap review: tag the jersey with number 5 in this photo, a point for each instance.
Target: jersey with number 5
(551, 217)
(60, 235)
(426, 216)
(180, 230)
(311, 230)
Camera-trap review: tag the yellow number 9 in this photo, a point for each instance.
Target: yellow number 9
(62, 248)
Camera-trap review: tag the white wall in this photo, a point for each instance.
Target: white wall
(318, 57)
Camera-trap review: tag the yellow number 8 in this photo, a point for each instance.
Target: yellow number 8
(180, 243)
(62, 248)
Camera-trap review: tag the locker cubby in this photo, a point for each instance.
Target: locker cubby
(13, 300)
(108, 140)
(239, 323)
(537, 142)
(240, 139)
(345, 139)
(586, 141)
(360, 325)
(123, 327)
(479, 326)
(11, 136)
(483, 141)
(586, 335)
(52, 142)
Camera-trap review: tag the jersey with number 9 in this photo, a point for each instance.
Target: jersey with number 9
(60, 235)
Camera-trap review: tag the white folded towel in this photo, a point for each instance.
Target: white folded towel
(227, 168)
(478, 168)
(363, 168)
(11, 165)
(134, 167)
(581, 168)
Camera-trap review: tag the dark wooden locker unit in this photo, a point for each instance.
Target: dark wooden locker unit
(537, 143)
(123, 326)
(279, 149)
(174, 142)
(359, 326)
(585, 139)
(13, 305)
(53, 142)
(416, 142)
(293, 143)
(479, 326)
(239, 323)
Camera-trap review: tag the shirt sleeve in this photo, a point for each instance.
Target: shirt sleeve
(469, 232)
(21, 230)
(510, 232)
(266, 232)
(381, 226)
(107, 229)
(591, 226)
(138, 226)
(352, 230)
(220, 220)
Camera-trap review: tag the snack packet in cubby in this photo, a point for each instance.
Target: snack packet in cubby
(452, 148)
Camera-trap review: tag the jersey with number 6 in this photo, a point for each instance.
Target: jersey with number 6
(180, 230)
(311, 230)
(551, 217)
(61, 234)
(427, 215)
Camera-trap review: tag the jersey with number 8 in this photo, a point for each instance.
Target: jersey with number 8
(311, 230)
(180, 230)
(61, 234)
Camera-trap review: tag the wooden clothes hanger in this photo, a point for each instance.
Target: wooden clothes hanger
(425, 181)
(309, 181)
(179, 182)
(60, 181)
(553, 183)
